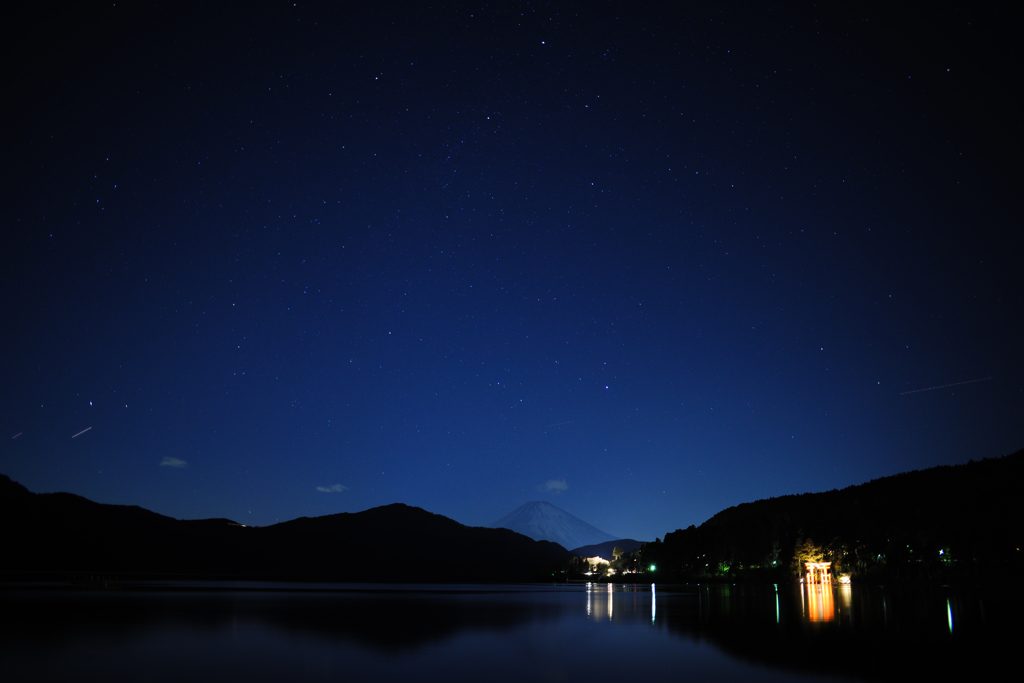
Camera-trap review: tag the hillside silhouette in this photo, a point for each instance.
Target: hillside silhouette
(61, 535)
(948, 523)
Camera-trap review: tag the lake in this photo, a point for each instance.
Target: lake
(174, 631)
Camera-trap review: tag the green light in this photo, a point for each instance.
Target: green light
(653, 567)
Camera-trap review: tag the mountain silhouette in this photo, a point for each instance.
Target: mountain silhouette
(606, 549)
(61, 535)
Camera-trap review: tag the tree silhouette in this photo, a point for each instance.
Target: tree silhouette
(805, 551)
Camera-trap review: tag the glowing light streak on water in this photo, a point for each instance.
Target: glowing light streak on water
(654, 603)
(776, 603)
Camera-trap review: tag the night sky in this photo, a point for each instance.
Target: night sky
(641, 262)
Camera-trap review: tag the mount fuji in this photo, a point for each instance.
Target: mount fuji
(544, 522)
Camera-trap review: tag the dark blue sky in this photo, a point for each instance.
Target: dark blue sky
(643, 263)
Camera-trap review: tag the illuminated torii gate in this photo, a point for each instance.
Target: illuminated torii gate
(819, 572)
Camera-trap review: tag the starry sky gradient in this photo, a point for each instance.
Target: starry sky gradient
(644, 263)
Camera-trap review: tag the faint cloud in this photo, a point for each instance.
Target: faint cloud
(336, 488)
(553, 485)
(170, 461)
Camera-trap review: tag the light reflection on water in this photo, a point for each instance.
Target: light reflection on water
(601, 598)
(820, 605)
(501, 633)
(818, 601)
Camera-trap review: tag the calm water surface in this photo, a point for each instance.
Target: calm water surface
(263, 632)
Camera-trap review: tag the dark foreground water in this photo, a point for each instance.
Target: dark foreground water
(265, 632)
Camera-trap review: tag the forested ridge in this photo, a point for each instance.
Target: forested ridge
(945, 523)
